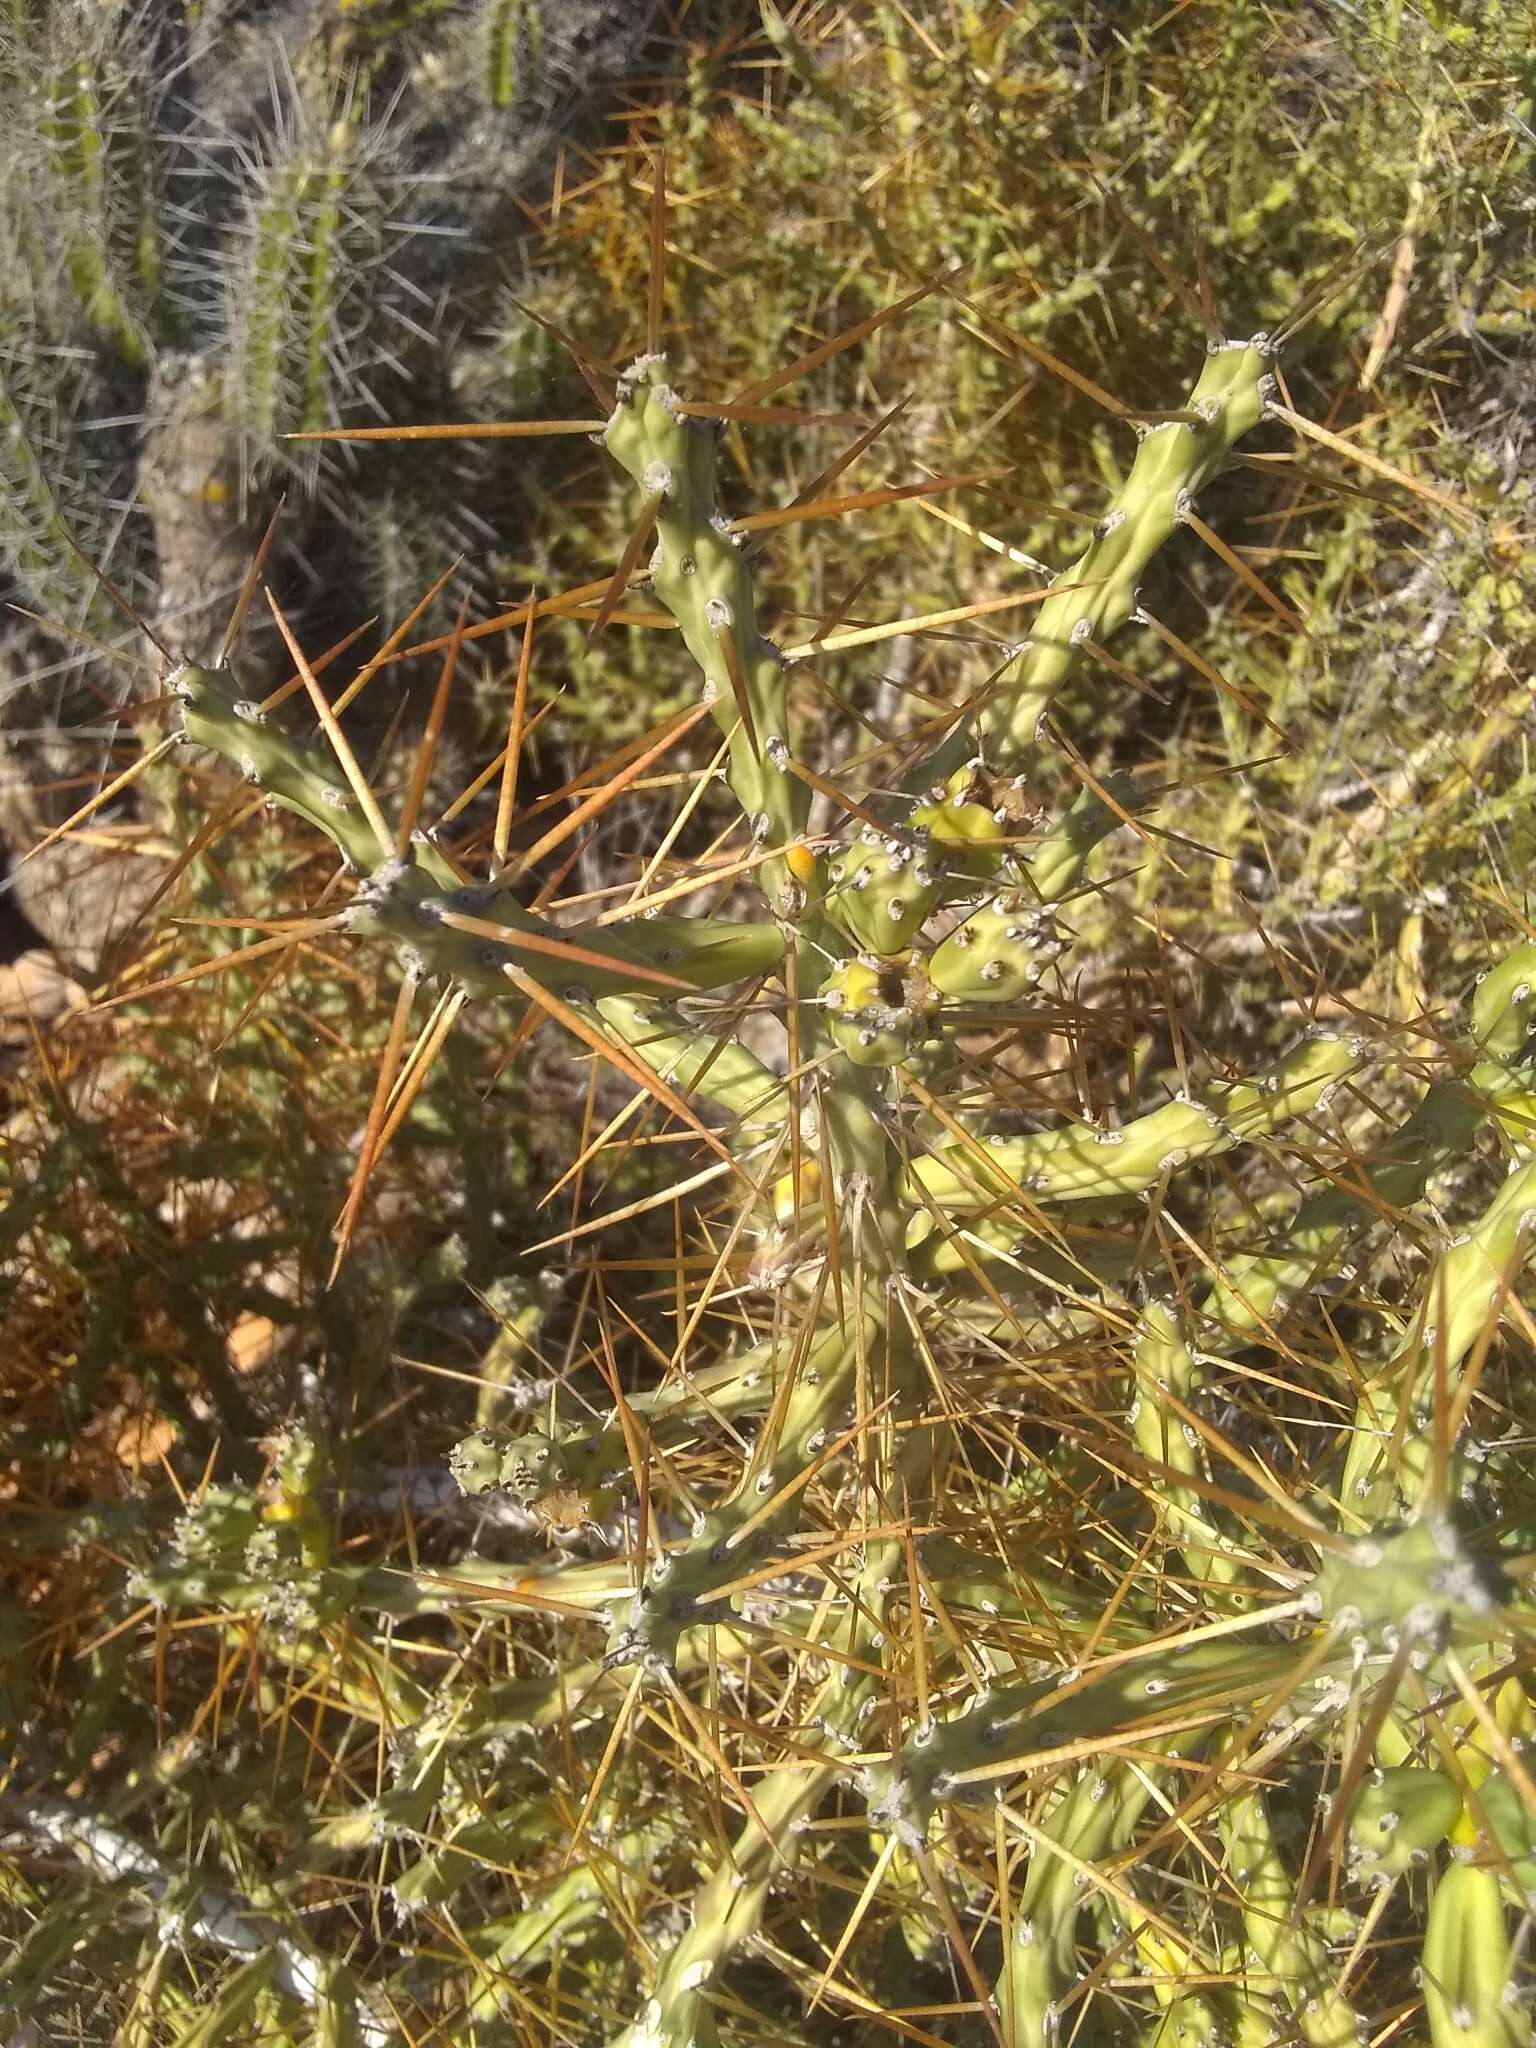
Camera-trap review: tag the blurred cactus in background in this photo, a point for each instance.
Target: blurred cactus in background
(224, 225)
(776, 1289)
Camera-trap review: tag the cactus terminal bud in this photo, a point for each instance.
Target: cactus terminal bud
(880, 1008)
(962, 821)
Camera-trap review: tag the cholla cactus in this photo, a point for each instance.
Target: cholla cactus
(933, 915)
(828, 1565)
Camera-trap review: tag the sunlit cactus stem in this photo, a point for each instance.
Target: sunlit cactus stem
(1293, 1972)
(1163, 1365)
(580, 1899)
(1249, 1289)
(1079, 1163)
(413, 896)
(728, 1909)
(1095, 1815)
(689, 1056)
(1390, 1453)
(819, 1388)
(1471, 1988)
(699, 574)
(1098, 593)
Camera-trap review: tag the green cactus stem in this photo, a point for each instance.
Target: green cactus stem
(690, 1058)
(1091, 1818)
(1249, 1289)
(317, 230)
(1098, 593)
(408, 898)
(1082, 1164)
(560, 1453)
(100, 158)
(1399, 1814)
(559, 1914)
(1471, 1990)
(513, 32)
(881, 890)
(729, 1908)
(684, 1589)
(699, 574)
(1288, 1962)
(967, 1757)
(1163, 1365)
(1415, 1579)
(1389, 1454)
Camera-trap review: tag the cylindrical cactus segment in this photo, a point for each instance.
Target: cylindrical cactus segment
(1507, 1812)
(1008, 1729)
(727, 1912)
(998, 955)
(1095, 1816)
(1163, 1365)
(962, 822)
(698, 573)
(1098, 593)
(318, 242)
(1054, 865)
(1471, 1991)
(1187, 2016)
(689, 1057)
(410, 900)
(1504, 1007)
(683, 1590)
(1417, 1578)
(398, 900)
(556, 1916)
(1248, 1288)
(1079, 1164)
(709, 952)
(301, 775)
(1289, 1965)
(729, 1908)
(513, 32)
(100, 166)
(592, 1457)
(1389, 1455)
